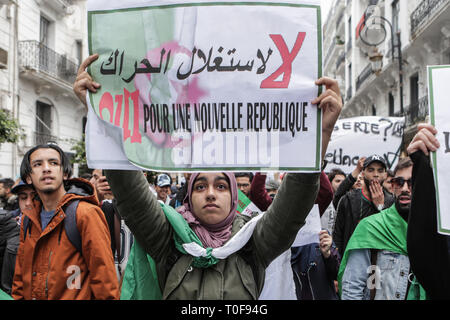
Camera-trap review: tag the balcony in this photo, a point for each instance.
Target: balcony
(60, 6)
(330, 51)
(415, 113)
(424, 13)
(349, 94)
(46, 63)
(363, 76)
(340, 60)
(349, 45)
(43, 138)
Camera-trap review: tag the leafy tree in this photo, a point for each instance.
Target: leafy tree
(10, 129)
(79, 148)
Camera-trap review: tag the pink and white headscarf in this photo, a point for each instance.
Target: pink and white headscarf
(211, 235)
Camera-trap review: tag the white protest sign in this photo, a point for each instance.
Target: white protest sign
(309, 233)
(187, 93)
(439, 96)
(354, 138)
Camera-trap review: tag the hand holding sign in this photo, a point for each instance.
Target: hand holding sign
(330, 102)
(424, 140)
(84, 81)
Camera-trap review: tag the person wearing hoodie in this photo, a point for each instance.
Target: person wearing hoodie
(48, 265)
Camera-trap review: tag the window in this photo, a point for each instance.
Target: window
(44, 41)
(349, 42)
(350, 80)
(79, 45)
(391, 104)
(84, 126)
(44, 31)
(43, 122)
(395, 19)
(414, 96)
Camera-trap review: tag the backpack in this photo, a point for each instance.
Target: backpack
(70, 225)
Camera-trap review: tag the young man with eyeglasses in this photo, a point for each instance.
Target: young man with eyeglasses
(375, 264)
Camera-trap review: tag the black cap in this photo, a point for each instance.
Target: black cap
(19, 186)
(375, 158)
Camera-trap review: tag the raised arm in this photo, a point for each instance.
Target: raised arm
(277, 230)
(428, 250)
(258, 193)
(135, 203)
(325, 193)
(348, 183)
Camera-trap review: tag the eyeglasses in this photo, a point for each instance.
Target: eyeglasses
(399, 182)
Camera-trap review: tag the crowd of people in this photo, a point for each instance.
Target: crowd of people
(111, 234)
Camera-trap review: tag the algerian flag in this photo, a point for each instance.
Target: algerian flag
(141, 282)
(5, 296)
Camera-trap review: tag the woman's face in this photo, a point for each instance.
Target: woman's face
(211, 197)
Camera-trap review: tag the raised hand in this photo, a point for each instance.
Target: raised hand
(424, 140)
(84, 81)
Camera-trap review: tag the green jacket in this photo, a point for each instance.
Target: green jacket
(241, 275)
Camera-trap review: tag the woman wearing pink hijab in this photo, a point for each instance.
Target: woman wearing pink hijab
(210, 212)
(213, 197)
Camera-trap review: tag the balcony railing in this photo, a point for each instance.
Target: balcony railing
(340, 60)
(43, 138)
(36, 56)
(349, 45)
(366, 73)
(424, 12)
(348, 96)
(330, 50)
(416, 112)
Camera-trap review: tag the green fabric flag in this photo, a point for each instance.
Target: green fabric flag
(383, 231)
(243, 202)
(5, 296)
(140, 281)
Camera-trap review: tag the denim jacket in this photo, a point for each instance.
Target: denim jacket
(390, 278)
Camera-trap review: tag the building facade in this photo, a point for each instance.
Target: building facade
(420, 28)
(42, 43)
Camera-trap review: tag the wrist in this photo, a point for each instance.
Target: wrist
(356, 173)
(326, 254)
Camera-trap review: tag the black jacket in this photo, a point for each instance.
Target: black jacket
(343, 188)
(179, 197)
(428, 250)
(352, 208)
(313, 274)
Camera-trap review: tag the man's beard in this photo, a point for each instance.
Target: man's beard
(49, 190)
(403, 209)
